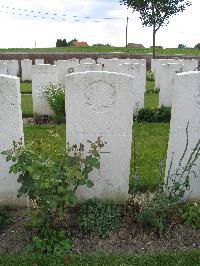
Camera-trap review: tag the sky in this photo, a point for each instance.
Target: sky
(23, 30)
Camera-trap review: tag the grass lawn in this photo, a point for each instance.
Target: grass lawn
(151, 99)
(150, 85)
(27, 105)
(184, 258)
(151, 146)
(106, 49)
(26, 87)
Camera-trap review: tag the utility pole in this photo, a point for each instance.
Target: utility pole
(127, 20)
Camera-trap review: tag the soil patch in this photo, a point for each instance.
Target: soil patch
(126, 239)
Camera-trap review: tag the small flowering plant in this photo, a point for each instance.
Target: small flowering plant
(50, 179)
(54, 94)
(190, 214)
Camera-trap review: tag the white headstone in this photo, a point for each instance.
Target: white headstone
(12, 67)
(65, 67)
(39, 61)
(100, 60)
(156, 65)
(88, 67)
(167, 76)
(138, 71)
(3, 69)
(190, 65)
(138, 61)
(111, 65)
(87, 61)
(43, 75)
(26, 66)
(185, 114)
(100, 104)
(11, 129)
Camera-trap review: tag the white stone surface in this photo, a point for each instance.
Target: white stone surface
(12, 67)
(26, 66)
(167, 76)
(185, 109)
(111, 65)
(101, 104)
(43, 75)
(138, 61)
(3, 69)
(156, 65)
(87, 61)
(156, 68)
(187, 65)
(65, 67)
(11, 129)
(190, 65)
(88, 67)
(39, 61)
(100, 60)
(138, 71)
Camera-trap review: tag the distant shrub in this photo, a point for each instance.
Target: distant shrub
(149, 114)
(55, 96)
(164, 114)
(101, 44)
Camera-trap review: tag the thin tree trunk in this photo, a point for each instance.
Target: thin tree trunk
(154, 30)
(154, 42)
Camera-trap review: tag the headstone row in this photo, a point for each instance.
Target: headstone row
(101, 104)
(64, 67)
(165, 71)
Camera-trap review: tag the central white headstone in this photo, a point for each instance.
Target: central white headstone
(100, 104)
(11, 129)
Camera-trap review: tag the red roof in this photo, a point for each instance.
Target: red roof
(78, 44)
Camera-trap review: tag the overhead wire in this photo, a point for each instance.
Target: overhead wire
(54, 16)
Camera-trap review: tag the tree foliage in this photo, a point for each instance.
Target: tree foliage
(156, 12)
(182, 46)
(197, 46)
(64, 43)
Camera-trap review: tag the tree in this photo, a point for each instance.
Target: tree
(72, 42)
(197, 46)
(64, 43)
(156, 13)
(182, 46)
(59, 43)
